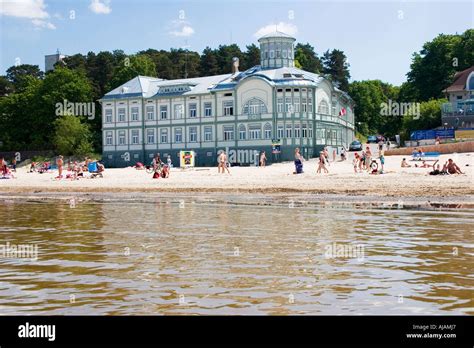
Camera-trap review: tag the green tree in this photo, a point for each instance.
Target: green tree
(429, 117)
(131, 67)
(72, 137)
(209, 64)
(252, 56)
(307, 58)
(6, 87)
(335, 64)
(18, 74)
(225, 53)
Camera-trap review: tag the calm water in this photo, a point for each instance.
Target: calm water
(198, 256)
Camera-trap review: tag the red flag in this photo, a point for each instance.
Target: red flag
(342, 112)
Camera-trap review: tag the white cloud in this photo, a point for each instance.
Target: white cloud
(180, 28)
(185, 31)
(99, 7)
(23, 8)
(39, 23)
(31, 9)
(286, 28)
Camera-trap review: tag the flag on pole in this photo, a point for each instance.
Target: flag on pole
(342, 112)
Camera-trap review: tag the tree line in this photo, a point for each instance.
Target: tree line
(28, 97)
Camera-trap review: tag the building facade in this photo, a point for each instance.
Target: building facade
(242, 112)
(459, 111)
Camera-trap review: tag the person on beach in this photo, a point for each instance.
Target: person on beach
(157, 166)
(382, 160)
(223, 162)
(362, 161)
(355, 162)
(32, 167)
(59, 163)
(368, 158)
(14, 165)
(326, 155)
(423, 165)
(263, 159)
(322, 160)
(343, 154)
(298, 162)
(453, 168)
(334, 155)
(3, 166)
(405, 164)
(169, 162)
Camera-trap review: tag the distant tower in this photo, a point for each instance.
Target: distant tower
(277, 50)
(51, 59)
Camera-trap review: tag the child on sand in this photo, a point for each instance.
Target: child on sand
(322, 160)
(405, 164)
(355, 161)
(263, 159)
(59, 163)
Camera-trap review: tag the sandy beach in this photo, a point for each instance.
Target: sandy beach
(276, 178)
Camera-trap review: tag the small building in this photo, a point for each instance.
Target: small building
(272, 106)
(51, 59)
(459, 111)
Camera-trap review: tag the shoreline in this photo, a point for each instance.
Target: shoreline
(341, 183)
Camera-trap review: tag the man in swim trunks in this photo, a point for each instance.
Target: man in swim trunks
(453, 168)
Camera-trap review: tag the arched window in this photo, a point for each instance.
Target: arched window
(255, 107)
(242, 132)
(267, 131)
(323, 107)
(470, 84)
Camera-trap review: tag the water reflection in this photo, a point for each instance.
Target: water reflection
(175, 256)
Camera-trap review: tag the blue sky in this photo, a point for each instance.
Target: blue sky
(377, 37)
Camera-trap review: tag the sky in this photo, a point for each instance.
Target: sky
(378, 37)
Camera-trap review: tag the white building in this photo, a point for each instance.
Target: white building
(243, 112)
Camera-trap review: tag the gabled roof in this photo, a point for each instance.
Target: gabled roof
(459, 81)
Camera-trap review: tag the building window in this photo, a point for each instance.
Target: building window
(193, 134)
(178, 135)
(288, 106)
(268, 131)
(164, 136)
(121, 137)
(242, 132)
(228, 133)
(333, 108)
(108, 115)
(134, 136)
(108, 138)
(255, 107)
(207, 109)
(310, 104)
(121, 115)
(311, 131)
(150, 113)
(272, 54)
(150, 136)
(178, 111)
(134, 114)
(288, 131)
(284, 53)
(228, 108)
(280, 104)
(304, 131)
(296, 103)
(323, 107)
(280, 131)
(207, 133)
(192, 110)
(297, 131)
(163, 112)
(304, 106)
(255, 132)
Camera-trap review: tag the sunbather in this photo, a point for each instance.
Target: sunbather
(405, 164)
(453, 168)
